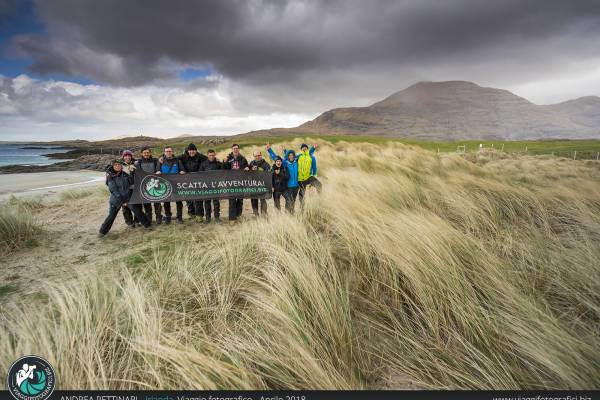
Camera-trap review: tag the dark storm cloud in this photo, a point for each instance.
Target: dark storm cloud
(134, 42)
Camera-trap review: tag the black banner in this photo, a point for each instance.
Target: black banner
(319, 395)
(221, 184)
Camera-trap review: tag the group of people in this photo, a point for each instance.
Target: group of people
(291, 176)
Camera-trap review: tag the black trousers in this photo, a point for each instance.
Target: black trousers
(148, 211)
(178, 205)
(113, 211)
(128, 215)
(290, 198)
(195, 208)
(235, 208)
(277, 199)
(263, 206)
(216, 206)
(311, 181)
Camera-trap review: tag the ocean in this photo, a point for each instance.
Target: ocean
(14, 154)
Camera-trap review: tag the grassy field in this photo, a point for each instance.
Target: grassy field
(411, 270)
(586, 149)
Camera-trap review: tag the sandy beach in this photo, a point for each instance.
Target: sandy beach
(47, 183)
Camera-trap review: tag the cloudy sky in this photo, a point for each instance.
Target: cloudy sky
(99, 69)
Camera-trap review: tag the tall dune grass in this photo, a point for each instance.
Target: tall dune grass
(409, 270)
(18, 225)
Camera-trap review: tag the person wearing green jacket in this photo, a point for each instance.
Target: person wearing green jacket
(307, 170)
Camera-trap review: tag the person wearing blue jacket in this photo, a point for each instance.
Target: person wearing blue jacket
(291, 165)
(118, 183)
(170, 164)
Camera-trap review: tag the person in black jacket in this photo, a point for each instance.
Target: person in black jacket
(150, 165)
(118, 183)
(280, 181)
(191, 160)
(235, 161)
(259, 164)
(211, 164)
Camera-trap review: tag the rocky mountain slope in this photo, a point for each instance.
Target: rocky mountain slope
(461, 110)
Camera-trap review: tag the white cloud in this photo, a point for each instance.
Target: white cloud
(32, 109)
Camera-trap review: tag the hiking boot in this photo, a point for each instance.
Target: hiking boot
(101, 235)
(158, 220)
(148, 228)
(180, 220)
(207, 221)
(218, 220)
(167, 220)
(130, 226)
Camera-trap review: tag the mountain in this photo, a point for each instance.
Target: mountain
(459, 110)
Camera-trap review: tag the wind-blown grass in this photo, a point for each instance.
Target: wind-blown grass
(18, 226)
(409, 270)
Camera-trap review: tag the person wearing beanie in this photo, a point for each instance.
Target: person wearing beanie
(280, 180)
(290, 163)
(191, 160)
(119, 182)
(128, 163)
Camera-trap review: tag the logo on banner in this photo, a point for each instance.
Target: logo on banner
(155, 188)
(31, 378)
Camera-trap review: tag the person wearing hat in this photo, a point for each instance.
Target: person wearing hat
(119, 186)
(128, 163)
(192, 159)
(280, 180)
(307, 170)
(290, 163)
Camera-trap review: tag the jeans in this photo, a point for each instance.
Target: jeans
(290, 198)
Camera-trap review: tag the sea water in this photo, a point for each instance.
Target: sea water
(15, 154)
